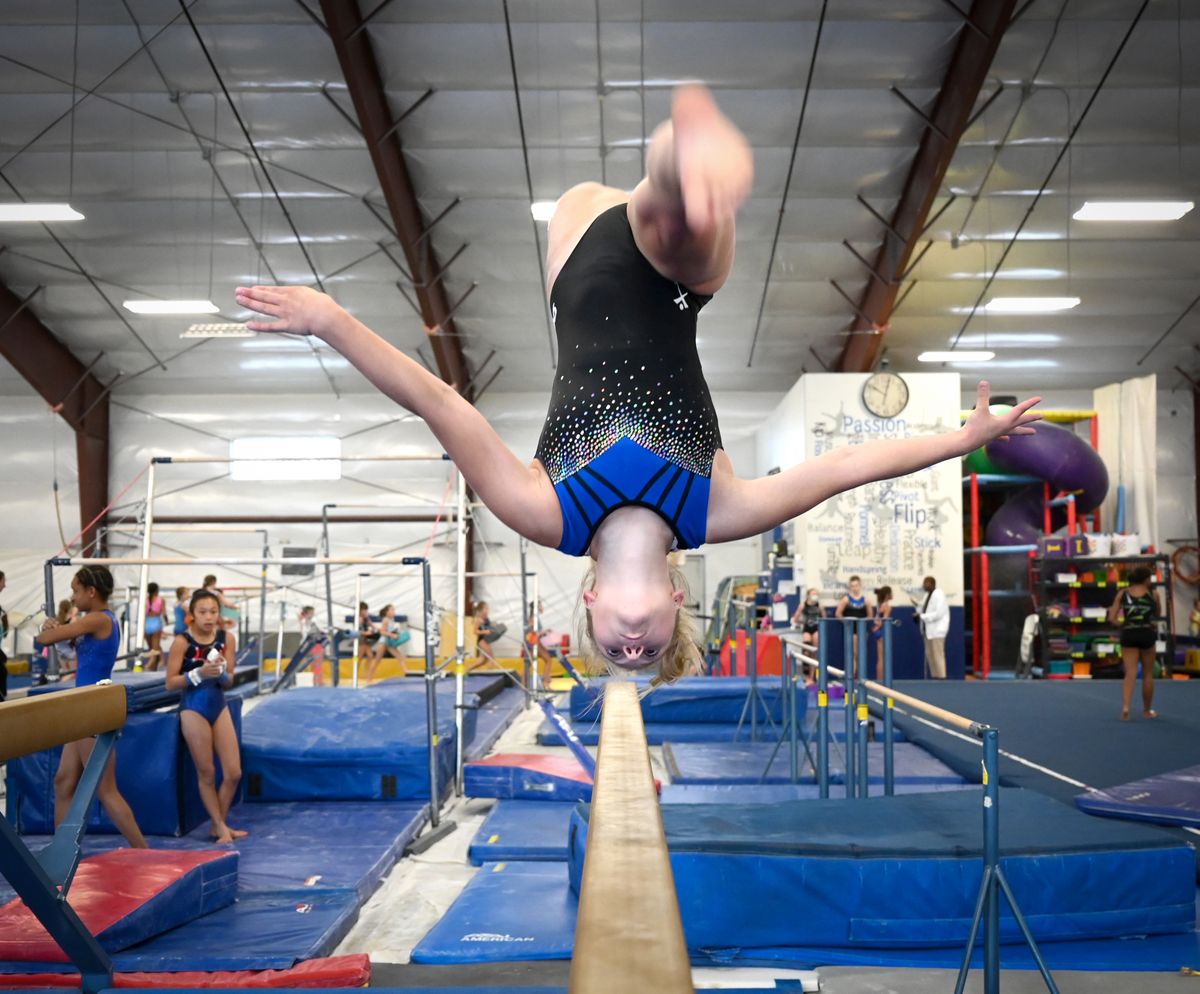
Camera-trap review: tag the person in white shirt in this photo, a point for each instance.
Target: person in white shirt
(934, 615)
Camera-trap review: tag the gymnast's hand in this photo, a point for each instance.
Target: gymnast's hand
(715, 164)
(983, 426)
(298, 310)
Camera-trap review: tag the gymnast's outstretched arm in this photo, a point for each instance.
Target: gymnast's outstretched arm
(741, 508)
(519, 495)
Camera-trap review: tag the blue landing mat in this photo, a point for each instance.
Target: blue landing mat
(894, 872)
(522, 831)
(492, 719)
(321, 845)
(527, 912)
(700, 762)
(509, 911)
(326, 743)
(1168, 799)
(707, 700)
(772, 793)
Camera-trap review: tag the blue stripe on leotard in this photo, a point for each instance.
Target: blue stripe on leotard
(629, 474)
(96, 657)
(208, 699)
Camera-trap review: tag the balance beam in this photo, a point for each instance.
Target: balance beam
(36, 723)
(628, 936)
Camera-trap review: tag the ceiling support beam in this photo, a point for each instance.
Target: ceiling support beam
(71, 390)
(365, 85)
(945, 124)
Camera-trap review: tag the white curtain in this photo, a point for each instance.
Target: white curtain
(1128, 445)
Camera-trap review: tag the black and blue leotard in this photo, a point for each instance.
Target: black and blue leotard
(631, 421)
(207, 699)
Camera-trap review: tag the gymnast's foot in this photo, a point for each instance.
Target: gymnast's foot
(1125, 714)
(222, 836)
(1149, 713)
(238, 833)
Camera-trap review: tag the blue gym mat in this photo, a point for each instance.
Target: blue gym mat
(1168, 799)
(771, 793)
(526, 911)
(720, 700)
(327, 743)
(522, 831)
(491, 720)
(508, 911)
(904, 871)
(519, 776)
(588, 731)
(701, 762)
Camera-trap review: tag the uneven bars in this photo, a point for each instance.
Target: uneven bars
(628, 936)
(414, 457)
(976, 728)
(217, 561)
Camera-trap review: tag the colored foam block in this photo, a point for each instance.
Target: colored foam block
(126, 897)
(521, 831)
(530, 777)
(1167, 799)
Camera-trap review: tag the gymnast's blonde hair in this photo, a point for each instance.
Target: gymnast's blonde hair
(681, 654)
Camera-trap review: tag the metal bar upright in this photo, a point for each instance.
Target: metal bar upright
(790, 703)
(862, 712)
(889, 730)
(848, 686)
(358, 623)
(51, 610)
(144, 573)
(824, 627)
(460, 652)
(328, 574)
(978, 606)
(435, 795)
(262, 607)
(991, 860)
(531, 627)
(984, 585)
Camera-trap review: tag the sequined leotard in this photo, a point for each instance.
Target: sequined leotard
(631, 421)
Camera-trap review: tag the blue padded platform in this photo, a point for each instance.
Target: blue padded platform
(897, 872)
(522, 831)
(350, 845)
(700, 762)
(771, 793)
(155, 773)
(1167, 799)
(328, 743)
(508, 911)
(707, 700)
(527, 777)
(529, 914)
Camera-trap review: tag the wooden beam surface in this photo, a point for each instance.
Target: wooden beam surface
(36, 723)
(628, 937)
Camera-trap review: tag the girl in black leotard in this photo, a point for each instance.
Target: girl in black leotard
(1137, 609)
(630, 463)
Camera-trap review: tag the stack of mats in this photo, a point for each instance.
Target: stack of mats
(886, 881)
(329, 743)
(694, 709)
(303, 872)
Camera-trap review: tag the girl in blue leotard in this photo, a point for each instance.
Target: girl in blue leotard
(97, 638)
(201, 664)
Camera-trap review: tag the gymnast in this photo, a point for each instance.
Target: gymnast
(630, 463)
(97, 637)
(198, 665)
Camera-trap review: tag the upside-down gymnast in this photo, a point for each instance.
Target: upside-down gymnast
(630, 463)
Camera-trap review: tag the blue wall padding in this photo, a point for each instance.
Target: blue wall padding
(1168, 799)
(154, 773)
(904, 871)
(704, 762)
(770, 793)
(329, 743)
(692, 699)
(509, 911)
(527, 777)
(347, 845)
(522, 831)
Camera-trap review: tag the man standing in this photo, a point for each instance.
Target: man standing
(935, 625)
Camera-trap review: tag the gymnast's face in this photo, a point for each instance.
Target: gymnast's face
(205, 616)
(632, 627)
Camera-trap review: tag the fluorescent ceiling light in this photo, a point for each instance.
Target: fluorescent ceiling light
(959, 356)
(1010, 338)
(171, 306)
(39, 212)
(1030, 305)
(543, 210)
(1133, 210)
(218, 330)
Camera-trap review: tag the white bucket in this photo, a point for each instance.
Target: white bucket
(1127, 545)
(1100, 544)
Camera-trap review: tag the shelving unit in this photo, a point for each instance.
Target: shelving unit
(1074, 641)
